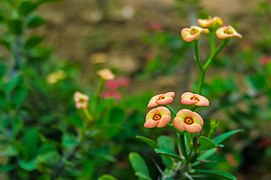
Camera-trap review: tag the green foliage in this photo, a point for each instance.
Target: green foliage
(139, 166)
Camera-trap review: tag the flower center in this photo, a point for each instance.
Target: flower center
(157, 117)
(194, 98)
(228, 31)
(194, 31)
(161, 97)
(82, 100)
(188, 120)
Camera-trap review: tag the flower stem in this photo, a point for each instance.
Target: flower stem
(208, 62)
(212, 40)
(196, 51)
(182, 144)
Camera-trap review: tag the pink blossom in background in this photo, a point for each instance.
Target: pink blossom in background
(116, 83)
(155, 26)
(265, 60)
(111, 94)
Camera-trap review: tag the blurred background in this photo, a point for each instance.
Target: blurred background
(52, 48)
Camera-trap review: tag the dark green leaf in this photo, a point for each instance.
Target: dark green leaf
(27, 7)
(15, 26)
(168, 154)
(7, 168)
(30, 142)
(219, 139)
(148, 141)
(19, 96)
(33, 41)
(139, 165)
(216, 172)
(107, 177)
(35, 21)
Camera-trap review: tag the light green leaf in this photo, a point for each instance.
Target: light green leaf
(219, 139)
(28, 165)
(205, 143)
(139, 165)
(168, 154)
(216, 172)
(148, 141)
(69, 141)
(107, 177)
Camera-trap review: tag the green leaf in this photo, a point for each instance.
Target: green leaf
(33, 41)
(107, 177)
(7, 168)
(205, 143)
(69, 141)
(19, 96)
(27, 7)
(139, 165)
(148, 141)
(28, 165)
(219, 139)
(35, 21)
(207, 154)
(168, 154)
(216, 172)
(142, 176)
(15, 26)
(13, 83)
(166, 143)
(30, 142)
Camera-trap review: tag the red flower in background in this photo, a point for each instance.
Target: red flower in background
(112, 88)
(265, 60)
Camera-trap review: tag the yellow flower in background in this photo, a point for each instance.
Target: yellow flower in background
(106, 74)
(211, 22)
(98, 58)
(81, 100)
(56, 76)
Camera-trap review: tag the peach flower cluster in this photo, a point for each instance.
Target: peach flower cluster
(193, 33)
(185, 119)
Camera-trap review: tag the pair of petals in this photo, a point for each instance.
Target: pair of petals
(157, 117)
(161, 99)
(192, 33)
(227, 32)
(188, 120)
(211, 22)
(81, 100)
(194, 99)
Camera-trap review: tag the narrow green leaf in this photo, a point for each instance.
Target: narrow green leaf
(30, 142)
(142, 176)
(139, 165)
(34, 21)
(205, 143)
(219, 139)
(207, 154)
(107, 177)
(148, 141)
(216, 172)
(33, 41)
(169, 154)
